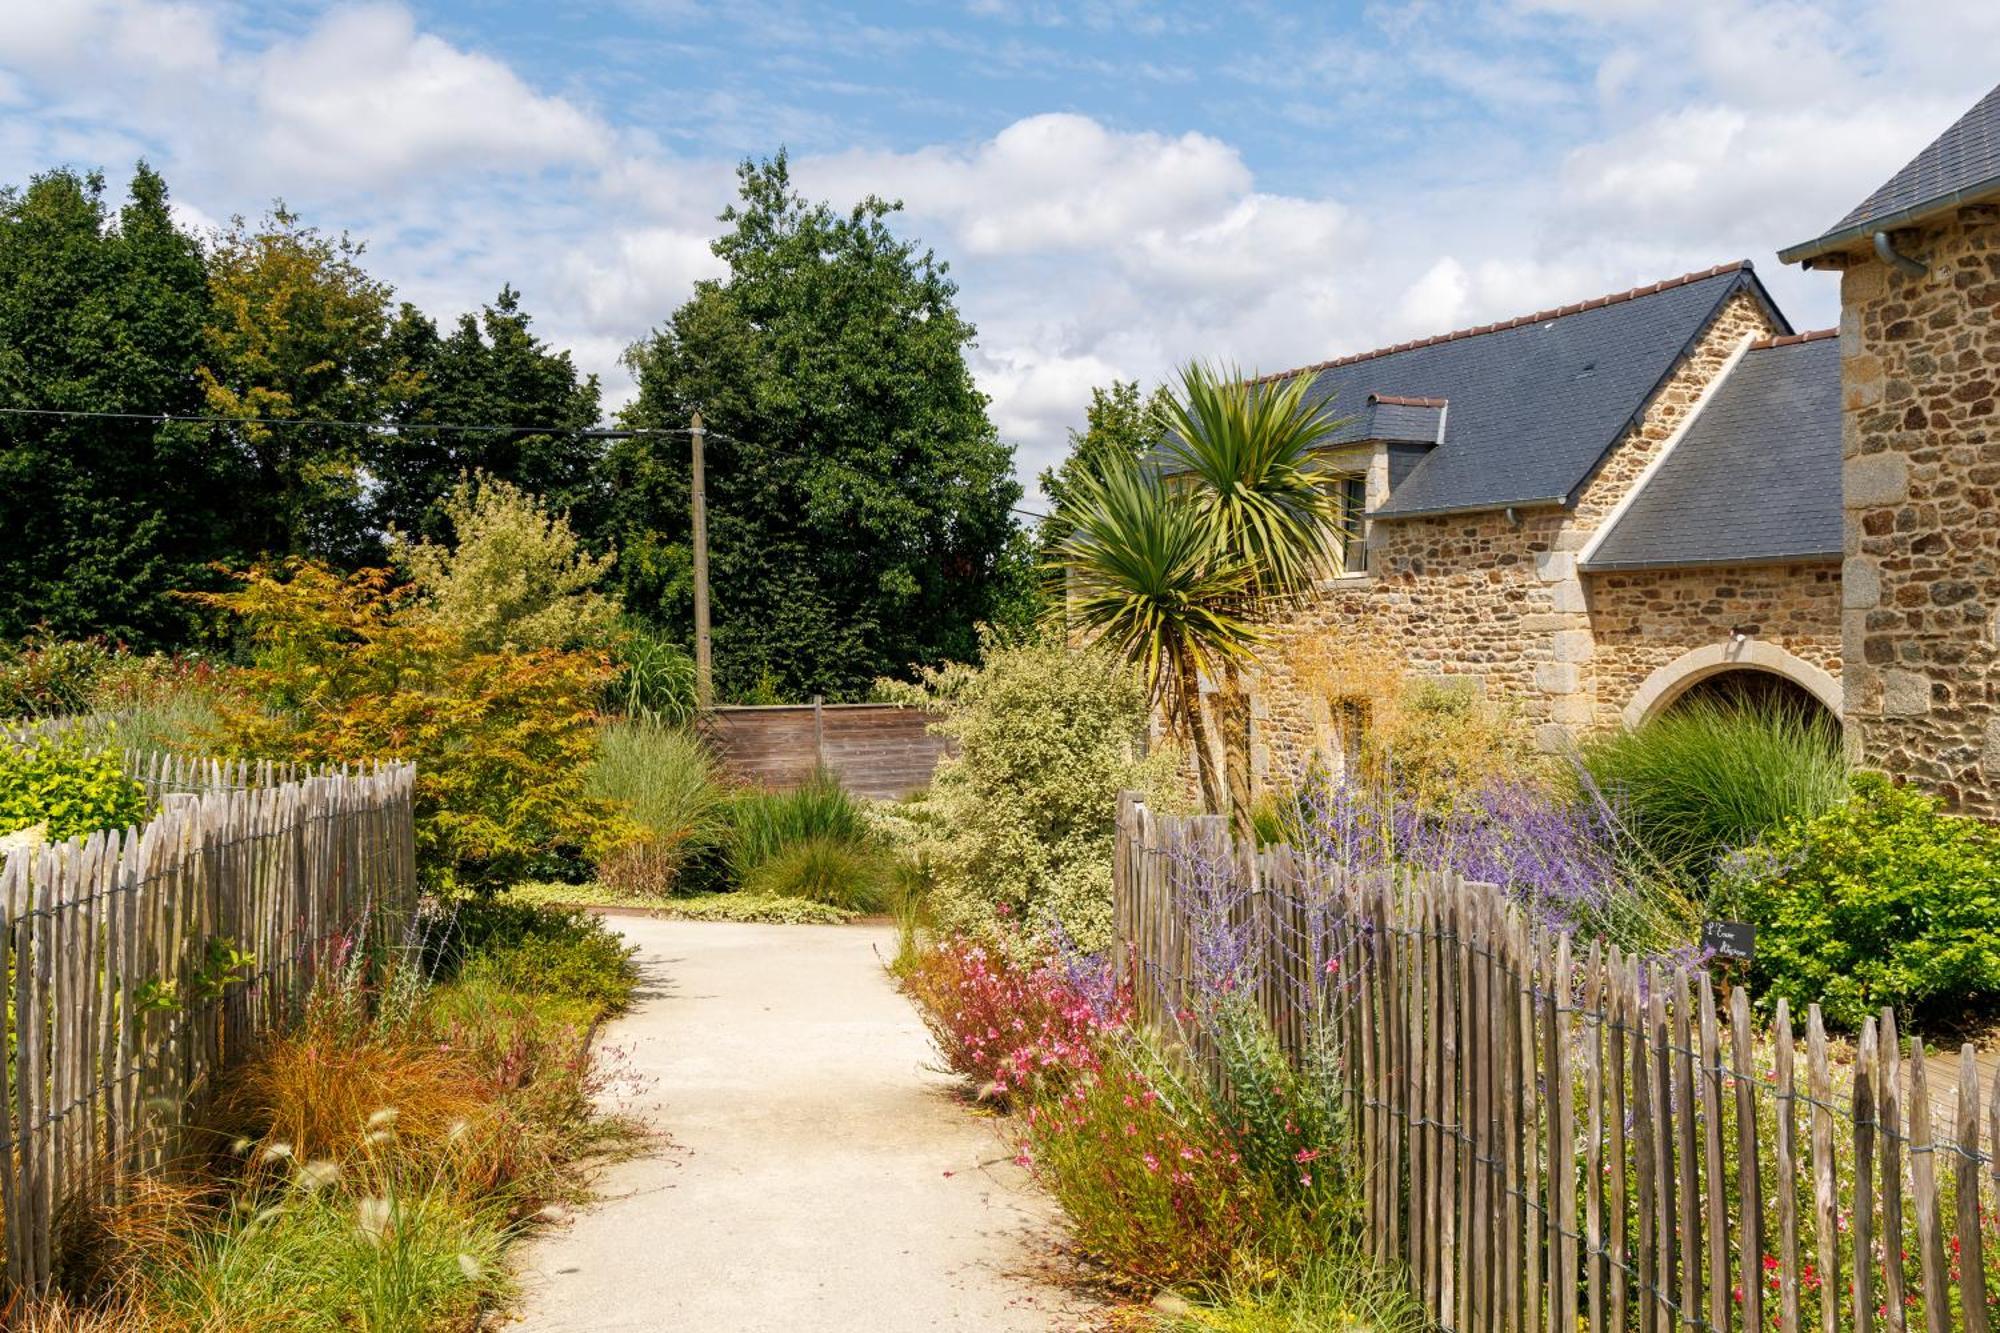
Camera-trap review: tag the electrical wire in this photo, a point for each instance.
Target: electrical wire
(588, 432)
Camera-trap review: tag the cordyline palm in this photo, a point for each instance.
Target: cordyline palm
(1146, 580)
(1243, 452)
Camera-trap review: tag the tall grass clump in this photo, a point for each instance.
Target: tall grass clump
(765, 823)
(667, 783)
(1707, 778)
(823, 869)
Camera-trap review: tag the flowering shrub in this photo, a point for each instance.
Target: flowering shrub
(1013, 1027)
(1152, 1178)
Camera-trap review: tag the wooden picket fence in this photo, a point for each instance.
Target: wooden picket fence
(119, 1014)
(1557, 1138)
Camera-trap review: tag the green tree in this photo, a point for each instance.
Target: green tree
(859, 498)
(489, 369)
(1119, 427)
(1244, 452)
(299, 332)
(101, 520)
(512, 576)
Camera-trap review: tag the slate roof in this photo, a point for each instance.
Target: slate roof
(1400, 419)
(1534, 402)
(1755, 478)
(1961, 165)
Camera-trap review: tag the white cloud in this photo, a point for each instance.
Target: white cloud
(1712, 130)
(367, 99)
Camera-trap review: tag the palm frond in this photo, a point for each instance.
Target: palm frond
(1247, 450)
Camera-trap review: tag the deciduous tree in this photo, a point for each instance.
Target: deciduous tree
(859, 498)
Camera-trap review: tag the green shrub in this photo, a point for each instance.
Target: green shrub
(823, 869)
(539, 950)
(764, 823)
(666, 782)
(68, 788)
(52, 677)
(1883, 900)
(1707, 778)
(1020, 818)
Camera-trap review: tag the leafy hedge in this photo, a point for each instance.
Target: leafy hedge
(1884, 900)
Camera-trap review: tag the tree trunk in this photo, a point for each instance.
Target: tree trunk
(1232, 721)
(1189, 689)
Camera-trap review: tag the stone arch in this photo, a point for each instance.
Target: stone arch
(1667, 684)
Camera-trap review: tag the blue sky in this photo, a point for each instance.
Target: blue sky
(1118, 185)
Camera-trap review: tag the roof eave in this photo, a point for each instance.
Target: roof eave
(1842, 238)
(1709, 562)
(1483, 507)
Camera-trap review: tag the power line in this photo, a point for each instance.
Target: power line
(160, 418)
(587, 432)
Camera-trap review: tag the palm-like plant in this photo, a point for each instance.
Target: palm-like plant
(1244, 451)
(1146, 579)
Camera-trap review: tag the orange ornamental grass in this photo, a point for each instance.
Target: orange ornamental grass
(321, 1091)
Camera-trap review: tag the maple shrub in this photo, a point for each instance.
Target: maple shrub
(341, 672)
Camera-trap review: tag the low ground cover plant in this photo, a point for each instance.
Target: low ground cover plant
(372, 1164)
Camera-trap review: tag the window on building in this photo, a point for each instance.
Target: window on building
(1353, 527)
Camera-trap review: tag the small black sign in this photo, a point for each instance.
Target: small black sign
(1732, 940)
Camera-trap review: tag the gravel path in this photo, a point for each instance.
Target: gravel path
(818, 1177)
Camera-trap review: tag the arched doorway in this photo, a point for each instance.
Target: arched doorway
(1742, 670)
(1755, 690)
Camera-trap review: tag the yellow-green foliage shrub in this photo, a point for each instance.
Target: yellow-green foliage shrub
(515, 577)
(1018, 823)
(66, 789)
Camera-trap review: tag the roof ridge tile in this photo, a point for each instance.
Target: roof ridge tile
(1614, 298)
(1793, 339)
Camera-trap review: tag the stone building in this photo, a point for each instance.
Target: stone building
(1920, 364)
(1589, 513)
(1581, 515)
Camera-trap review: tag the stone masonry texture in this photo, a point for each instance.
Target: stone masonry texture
(1920, 371)
(1501, 605)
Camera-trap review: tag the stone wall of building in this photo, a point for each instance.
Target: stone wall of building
(1495, 603)
(1920, 374)
(1643, 621)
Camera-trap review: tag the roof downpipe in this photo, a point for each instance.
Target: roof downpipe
(1888, 254)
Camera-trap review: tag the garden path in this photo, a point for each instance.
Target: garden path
(819, 1175)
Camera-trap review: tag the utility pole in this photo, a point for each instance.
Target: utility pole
(704, 665)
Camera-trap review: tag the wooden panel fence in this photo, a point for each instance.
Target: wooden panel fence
(1554, 1136)
(885, 751)
(117, 1019)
